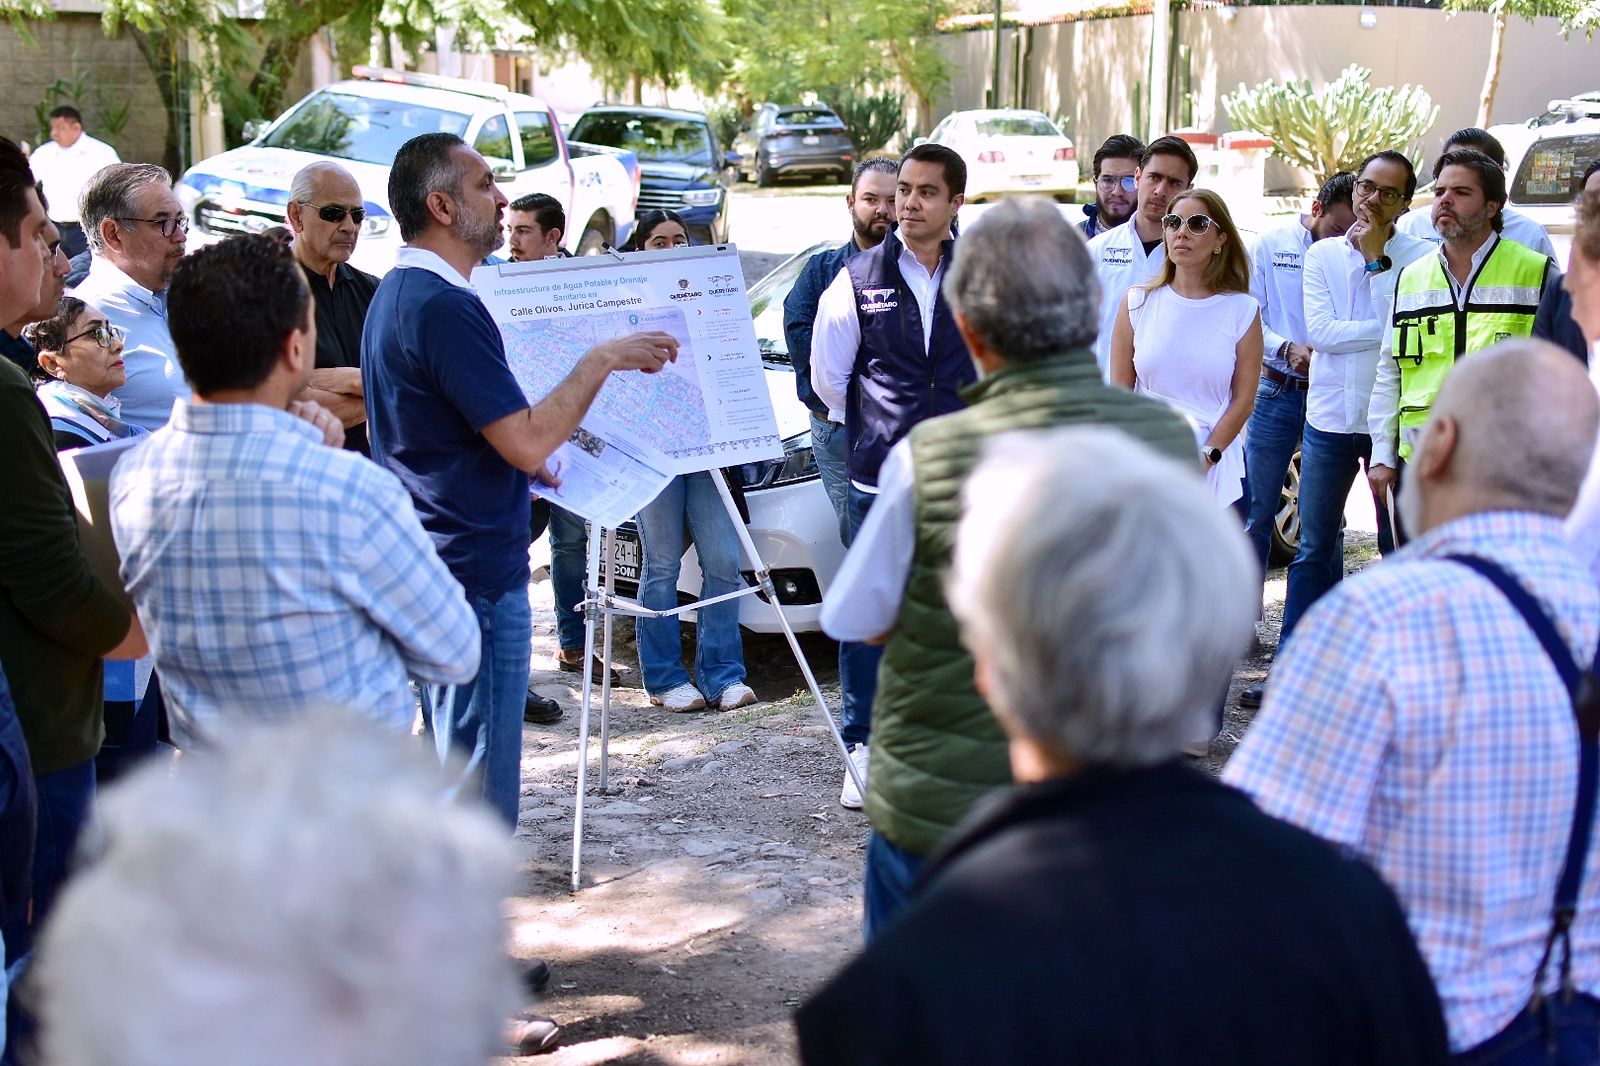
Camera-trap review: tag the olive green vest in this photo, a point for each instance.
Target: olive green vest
(936, 749)
(1431, 332)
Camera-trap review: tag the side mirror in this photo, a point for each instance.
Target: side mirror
(732, 159)
(253, 128)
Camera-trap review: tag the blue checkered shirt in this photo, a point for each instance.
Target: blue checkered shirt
(1415, 719)
(275, 575)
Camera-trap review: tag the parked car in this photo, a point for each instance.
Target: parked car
(683, 167)
(1011, 151)
(791, 520)
(782, 141)
(362, 122)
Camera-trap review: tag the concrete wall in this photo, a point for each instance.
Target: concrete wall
(117, 65)
(1088, 70)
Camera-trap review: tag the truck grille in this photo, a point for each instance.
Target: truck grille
(238, 217)
(671, 199)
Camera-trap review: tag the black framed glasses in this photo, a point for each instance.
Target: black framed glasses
(1197, 224)
(334, 213)
(1386, 196)
(168, 226)
(1111, 181)
(104, 334)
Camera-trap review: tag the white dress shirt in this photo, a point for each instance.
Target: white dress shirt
(1120, 263)
(1346, 313)
(1383, 413)
(1518, 227)
(154, 377)
(1276, 262)
(863, 601)
(65, 171)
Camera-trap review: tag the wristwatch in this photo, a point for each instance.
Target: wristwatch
(1212, 455)
(1379, 265)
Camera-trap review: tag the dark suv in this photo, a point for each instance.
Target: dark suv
(810, 140)
(682, 166)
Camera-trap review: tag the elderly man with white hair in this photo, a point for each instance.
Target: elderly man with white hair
(293, 898)
(1105, 599)
(1431, 715)
(1024, 296)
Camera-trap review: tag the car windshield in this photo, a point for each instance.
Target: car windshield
(815, 116)
(653, 138)
(766, 304)
(1017, 126)
(1552, 171)
(362, 128)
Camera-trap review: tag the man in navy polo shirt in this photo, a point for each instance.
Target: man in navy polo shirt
(447, 416)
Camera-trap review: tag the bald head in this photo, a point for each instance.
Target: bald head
(316, 179)
(1513, 428)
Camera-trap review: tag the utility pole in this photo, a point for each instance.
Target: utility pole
(1160, 46)
(994, 79)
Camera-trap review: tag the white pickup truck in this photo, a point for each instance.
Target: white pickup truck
(362, 122)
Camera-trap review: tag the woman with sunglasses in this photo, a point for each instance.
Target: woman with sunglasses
(691, 503)
(80, 362)
(1192, 336)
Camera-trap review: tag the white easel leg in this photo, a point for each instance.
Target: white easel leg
(606, 578)
(764, 579)
(591, 582)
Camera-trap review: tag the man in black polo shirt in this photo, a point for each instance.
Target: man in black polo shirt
(326, 212)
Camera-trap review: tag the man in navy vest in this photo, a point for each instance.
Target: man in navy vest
(885, 355)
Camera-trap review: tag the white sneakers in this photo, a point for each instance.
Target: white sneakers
(683, 698)
(850, 796)
(687, 698)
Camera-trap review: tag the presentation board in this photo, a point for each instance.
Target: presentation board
(709, 409)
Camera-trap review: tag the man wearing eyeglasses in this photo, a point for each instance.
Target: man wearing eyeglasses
(326, 213)
(137, 229)
(1133, 252)
(1115, 165)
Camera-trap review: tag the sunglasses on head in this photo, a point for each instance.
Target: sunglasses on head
(1197, 223)
(334, 213)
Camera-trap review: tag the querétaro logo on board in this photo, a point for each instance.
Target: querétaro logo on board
(683, 292)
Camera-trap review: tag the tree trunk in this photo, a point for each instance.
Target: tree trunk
(159, 49)
(277, 67)
(1491, 77)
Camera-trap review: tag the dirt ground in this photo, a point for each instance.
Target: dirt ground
(721, 880)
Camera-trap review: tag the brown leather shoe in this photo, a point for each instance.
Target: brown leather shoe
(571, 662)
(531, 1034)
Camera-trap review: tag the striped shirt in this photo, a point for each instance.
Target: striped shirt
(275, 575)
(1415, 719)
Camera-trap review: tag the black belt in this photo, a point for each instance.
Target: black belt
(1278, 377)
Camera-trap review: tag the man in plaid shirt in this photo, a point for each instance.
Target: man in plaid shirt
(277, 574)
(1416, 720)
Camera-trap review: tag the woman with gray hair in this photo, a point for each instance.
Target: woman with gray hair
(1073, 919)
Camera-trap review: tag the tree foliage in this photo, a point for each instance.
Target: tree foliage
(873, 118)
(1337, 129)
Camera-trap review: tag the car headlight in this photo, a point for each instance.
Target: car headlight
(799, 463)
(702, 197)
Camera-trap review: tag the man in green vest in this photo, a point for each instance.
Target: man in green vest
(1025, 299)
(1478, 290)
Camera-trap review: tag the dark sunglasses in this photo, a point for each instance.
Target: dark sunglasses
(1197, 223)
(334, 213)
(104, 334)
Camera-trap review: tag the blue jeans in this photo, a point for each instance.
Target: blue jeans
(1564, 1034)
(1329, 464)
(689, 501)
(569, 556)
(828, 445)
(858, 663)
(891, 874)
(66, 803)
(483, 718)
(1271, 437)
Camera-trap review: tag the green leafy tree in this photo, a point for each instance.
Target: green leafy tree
(1574, 14)
(1337, 129)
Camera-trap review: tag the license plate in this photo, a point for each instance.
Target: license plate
(811, 139)
(625, 558)
(1030, 179)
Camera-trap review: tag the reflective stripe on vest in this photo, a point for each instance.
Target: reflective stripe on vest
(1430, 332)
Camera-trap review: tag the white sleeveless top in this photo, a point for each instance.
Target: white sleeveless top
(1184, 352)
